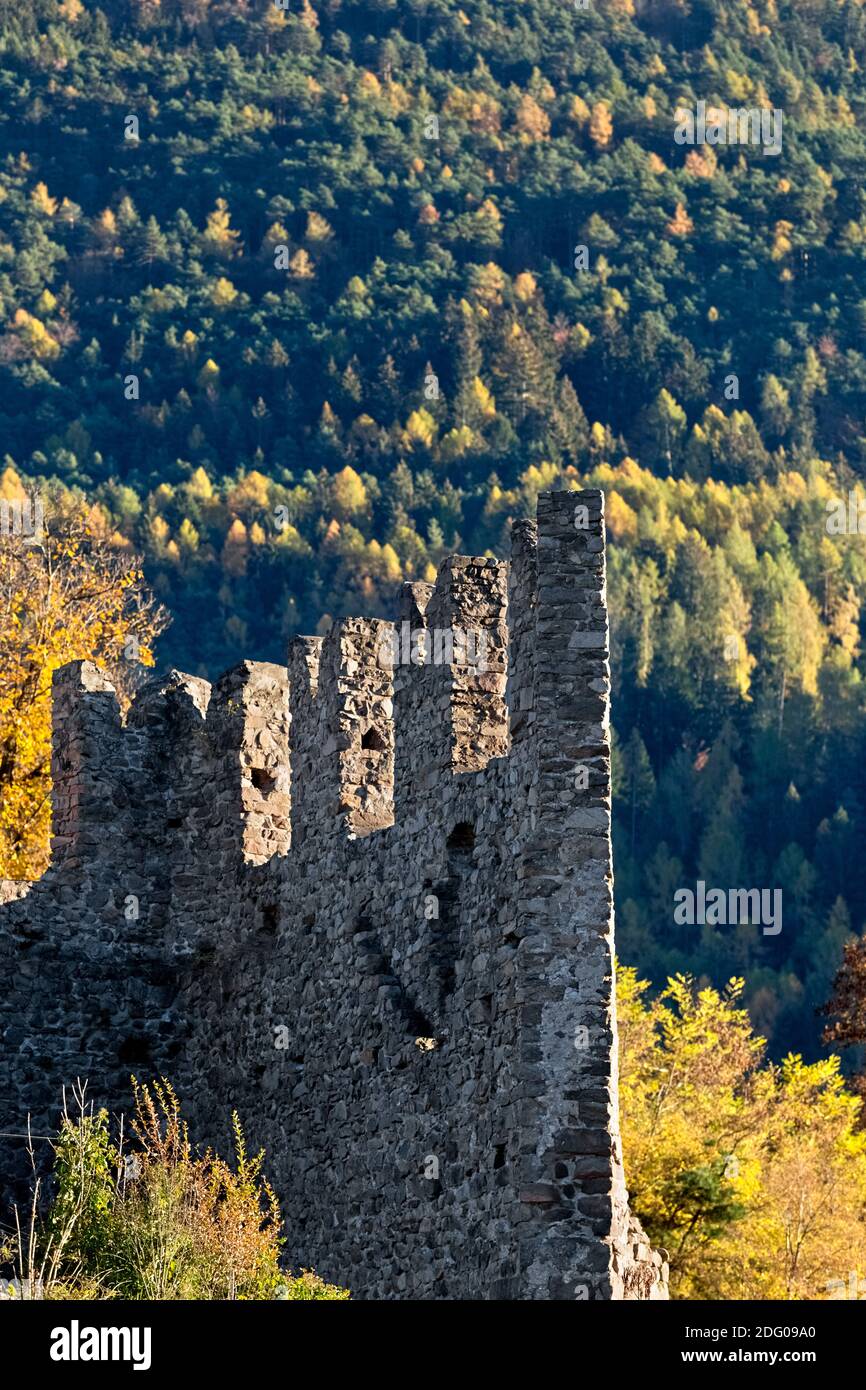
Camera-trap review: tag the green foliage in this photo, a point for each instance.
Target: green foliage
(157, 1221)
(751, 1176)
(307, 1285)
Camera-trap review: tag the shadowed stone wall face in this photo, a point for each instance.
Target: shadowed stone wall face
(369, 906)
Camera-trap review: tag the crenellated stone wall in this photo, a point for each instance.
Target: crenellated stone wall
(369, 906)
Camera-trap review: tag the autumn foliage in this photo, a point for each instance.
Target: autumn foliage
(72, 592)
(751, 1175)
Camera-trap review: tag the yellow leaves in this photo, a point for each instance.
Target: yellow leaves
(601, 125)
(348, 494)
(219, 239)
(427, 215)
(209, 374)
(34, 336)
(421, 428)
(222, 293)
(160, 531)
(289, 538)
(256, 119)
(488, 211)
(782, 244)
(580, 338)
(251, 495)
(739, 87)
(276, 235)
(680, 224)
(391, 560)
(598, 437)
(105, 229)
(484, 398)
(477, 109)
(532, 122)
(525, 286)
(198, 487)
(75, 596)
(188, 537)
(301, 266)
(701, 164)
(578, 111)
(538, 478)
(396, 99)
(456, 443)
(488, 282)
(235, 549)
(12, 488)
(319, 230)
(620, 518)
(368, 88)
(41, 200)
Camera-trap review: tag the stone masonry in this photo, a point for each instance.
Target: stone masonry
(369, 906)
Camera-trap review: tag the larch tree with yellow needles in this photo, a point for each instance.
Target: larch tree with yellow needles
(71, 591)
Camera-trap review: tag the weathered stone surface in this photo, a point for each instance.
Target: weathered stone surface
(368, 905)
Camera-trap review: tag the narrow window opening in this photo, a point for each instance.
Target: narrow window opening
(373, 740)
(462, 837)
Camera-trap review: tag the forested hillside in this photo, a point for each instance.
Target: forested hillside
(294, 298)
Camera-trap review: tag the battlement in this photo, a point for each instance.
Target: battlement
(400, 837)
(369, 718)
